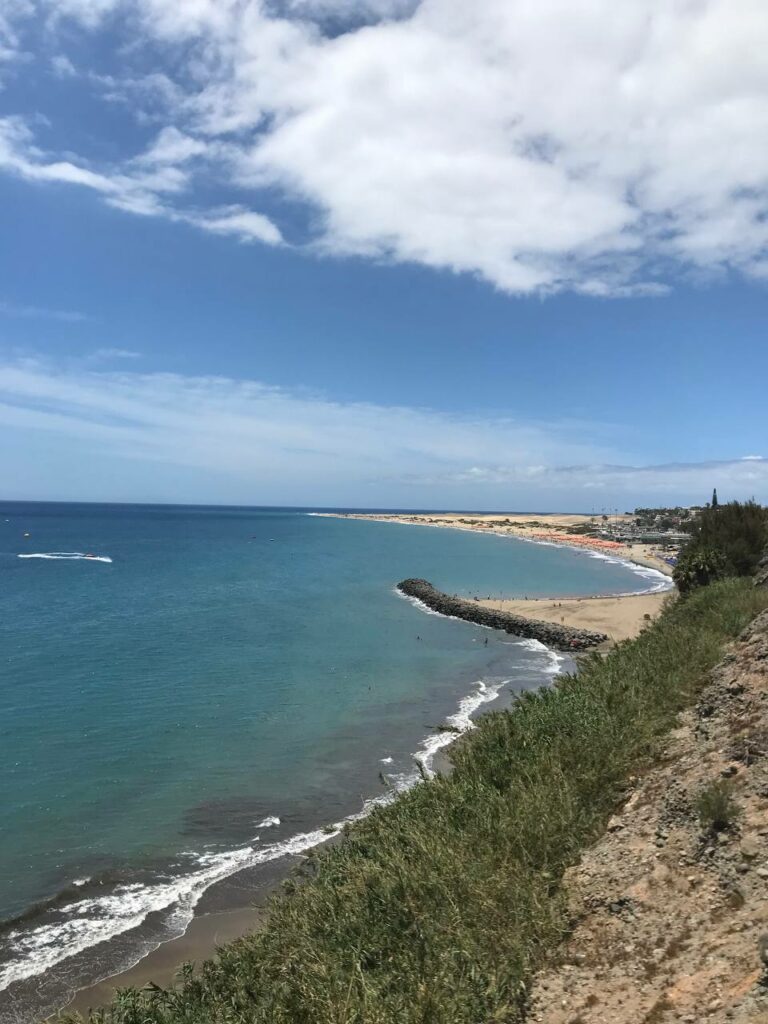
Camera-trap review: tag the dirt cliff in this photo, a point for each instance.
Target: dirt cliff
(670, 908)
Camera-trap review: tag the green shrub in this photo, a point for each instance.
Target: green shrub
(698, 567)
(716, 808)
(439, 907)
(726, 540)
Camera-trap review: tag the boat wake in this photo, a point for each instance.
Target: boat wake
(67, 556)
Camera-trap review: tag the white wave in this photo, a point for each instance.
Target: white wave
(461, 722)
(101, 918)
(91, 921)
(661, 580)
(554, 659)
(484, 693)
(386, 760)
(67, 556)
(420, 605)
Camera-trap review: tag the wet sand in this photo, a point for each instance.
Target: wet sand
(200, 941)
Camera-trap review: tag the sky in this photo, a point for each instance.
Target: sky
(384, 253)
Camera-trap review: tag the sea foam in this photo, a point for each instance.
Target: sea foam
(74, 556)
(85, 923)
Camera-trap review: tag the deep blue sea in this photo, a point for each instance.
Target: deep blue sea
(208, 693)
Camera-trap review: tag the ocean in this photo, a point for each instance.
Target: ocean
(191, 694)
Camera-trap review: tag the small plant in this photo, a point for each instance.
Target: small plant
(716, 807)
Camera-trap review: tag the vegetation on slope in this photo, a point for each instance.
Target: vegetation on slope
(726, 540)
(440, 906)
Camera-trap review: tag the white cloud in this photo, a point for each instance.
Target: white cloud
(235, 220)
(350, 9)
(171, 147)
(39, 312)
(110, 354)
(11, 13)
(63, 67)
(245, 441)
(593, 146)
(153, 176)
(678, 480)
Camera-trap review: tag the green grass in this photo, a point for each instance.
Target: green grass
(439, 907)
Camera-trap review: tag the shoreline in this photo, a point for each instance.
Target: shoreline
(522, 527)
(204, 934)
(552, 635)
(620, 616)
(668, 680)
(207, 930)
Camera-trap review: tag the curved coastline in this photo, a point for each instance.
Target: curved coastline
(561, 637)
(620, 616)
(627, 557)
(534, 631)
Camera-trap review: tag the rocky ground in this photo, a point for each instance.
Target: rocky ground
(670, 917)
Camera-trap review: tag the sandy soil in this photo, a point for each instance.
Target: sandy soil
(619, 617)
(669, 919)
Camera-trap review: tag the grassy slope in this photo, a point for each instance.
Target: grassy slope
(440, 906)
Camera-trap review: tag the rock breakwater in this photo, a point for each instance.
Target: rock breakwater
(564, 638)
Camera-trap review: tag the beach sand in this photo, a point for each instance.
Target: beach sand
(619, 617)
(200, 941)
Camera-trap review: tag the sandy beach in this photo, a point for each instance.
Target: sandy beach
(161, 967)
(620, 617)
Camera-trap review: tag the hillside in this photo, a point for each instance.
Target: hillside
(443, 905)
(670, 913)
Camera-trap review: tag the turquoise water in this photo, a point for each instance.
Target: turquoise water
(227, 683)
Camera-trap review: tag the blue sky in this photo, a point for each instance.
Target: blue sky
(375, 254)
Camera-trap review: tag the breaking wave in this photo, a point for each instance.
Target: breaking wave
(79, 922)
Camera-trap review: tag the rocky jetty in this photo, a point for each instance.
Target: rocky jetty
(564, 638)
